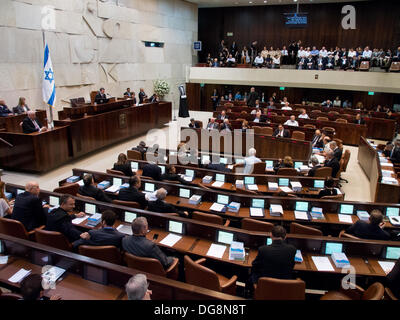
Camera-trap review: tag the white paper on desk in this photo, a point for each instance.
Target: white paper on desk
(387, 164)
(17, 277)
(187, 178)
(386, 173)
(171, 239)
(346, 218)
(217, 207)
(113, 189)
(79, 220)
(387, 266)
(216, 250)
(3, 259)
(253, 187)
(218, 184)
(256, 212)
(230, 166)
(80, 182)
(323, 264)
(301, 215)
(286, 189)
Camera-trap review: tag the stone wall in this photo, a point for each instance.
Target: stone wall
(94, 43)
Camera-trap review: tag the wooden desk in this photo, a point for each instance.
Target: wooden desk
(93, 132)
(35, 152)
(266, 146)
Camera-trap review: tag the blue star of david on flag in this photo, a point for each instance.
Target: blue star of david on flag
(49, 75)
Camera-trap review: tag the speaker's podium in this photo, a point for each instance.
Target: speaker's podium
(183, 108)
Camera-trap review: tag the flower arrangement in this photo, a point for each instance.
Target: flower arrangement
(161, 87)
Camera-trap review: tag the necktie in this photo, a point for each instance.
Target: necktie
(36, 125)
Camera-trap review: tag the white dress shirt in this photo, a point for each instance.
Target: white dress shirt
(304, 116)
(293, 123)
(249, 163)
(258, 60)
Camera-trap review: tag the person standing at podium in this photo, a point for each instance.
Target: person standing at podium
(30, 124)
(101, 96)
(21, 107)
(4, 111)
(142, 95)
(128, 93)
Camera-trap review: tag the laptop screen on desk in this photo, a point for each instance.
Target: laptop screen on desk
(225, 237)
(301, 206)
(223, 160)
(129, 216)
(258, 203)
(222, 199)
(184, 193)
(149, 187)
(220, 177)
(90, 208)
(269, 163)
(269, 241)
(346, 209)
(392, 212)
(134, 165)
(175, 227)
(189, 173)
(117, 182)
(54, 201)
(298, 164)
(283, 182)
(319, 184)
(249, 180)
(393, 253)
(333, 247)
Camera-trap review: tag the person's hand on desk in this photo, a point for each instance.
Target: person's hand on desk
(382, 225)
(43, 129)
(80, 215)
(46, 206)
(85, 236)
(56, 297)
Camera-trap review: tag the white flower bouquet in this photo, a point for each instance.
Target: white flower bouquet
(161, 87)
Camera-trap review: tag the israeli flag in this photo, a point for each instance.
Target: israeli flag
(49, 85)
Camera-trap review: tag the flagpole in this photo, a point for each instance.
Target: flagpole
(51, 122)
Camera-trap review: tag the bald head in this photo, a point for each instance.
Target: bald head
(252, 152)
(32, 187)
(161, 194)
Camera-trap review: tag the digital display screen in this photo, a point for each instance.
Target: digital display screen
(220, 177)
(135, 165)
(269, 241)
(223, 160)
(393, 253)
(129, 216)
(149, 187)
(249, 180)
(222, 199)
(269, 163)
(283, 182)
(333, 247)
(392, 212)
(189, 173)
(117, 182)
(184, 193)
(162, 169)
(294, 20)
(175, 227)
(225, 237)
(319, 184)
(258, 203)
(301, 206)
(298, 164)
(90, 208)
(346, 208)
(54, 201)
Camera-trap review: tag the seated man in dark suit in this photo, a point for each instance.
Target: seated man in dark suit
(373, 229)
(28, 207)
(123, 165)
(215, 166)
(329, 189)
(359, 120)
(393, 279)
(106, 236)
(89, 190)
(222, 115)
(395, 155)
(316, 141)
(141, 147)
(388, 150)
(332, 162)
(159, 205)
(4, 111)
(275, 260)
(132, 193)
(128, 93)
(170, 174)
(101, 96)
(152, 170)
(138, 245)
(194, 124)
(60, 220)
(226, 126)
(281, 132)
(337, 152)
(316, 165)
(30, 124)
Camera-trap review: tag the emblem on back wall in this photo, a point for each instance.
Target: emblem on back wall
(122, 120)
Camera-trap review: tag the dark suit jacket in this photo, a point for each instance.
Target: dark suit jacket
(386, 153)
(19, 109)
(106, 236)
(92, 191)
(59, 220)
(338, 153)
(28, 126)
(334, 164)
(212, 125)
(163, 207)
(196, 125)
(275, 261)
(132, 194)
(141, 150)
(327, 192)
(311, 173)
(142, 247)
(141, 97)
(365, 230)
(125, 168)
(286, 133)
(4, 111)
(395, 157)
(393, 279)
(174, 177)
(29, 211)
(152, 170)
(100, 98)
(251, 101)
(222, 118)
(317, 141)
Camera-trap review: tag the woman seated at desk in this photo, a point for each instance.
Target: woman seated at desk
(286, 163)
(123, 165)
(21, 107)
